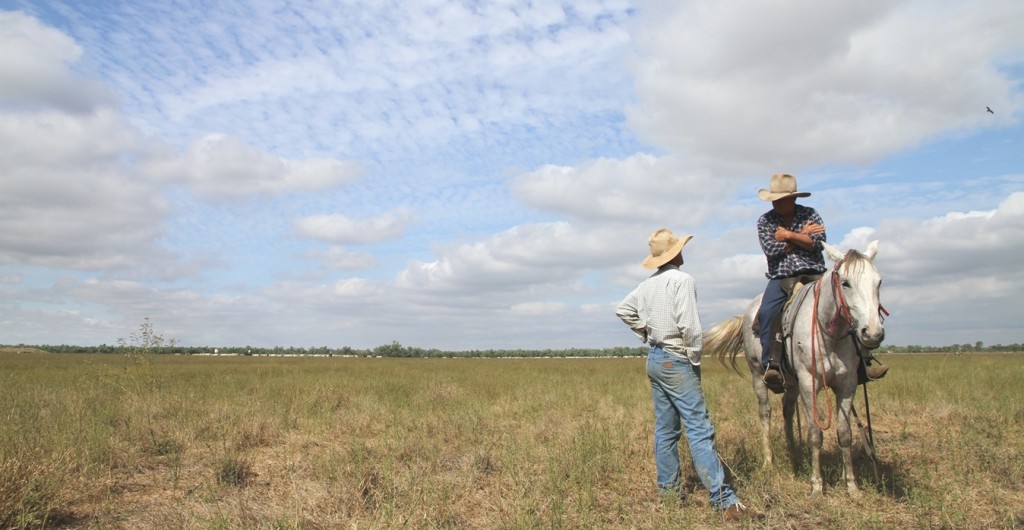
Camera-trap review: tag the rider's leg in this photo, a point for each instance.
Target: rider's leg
(771, 303)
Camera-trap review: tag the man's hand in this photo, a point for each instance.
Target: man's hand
(810, 229)
(781, 234)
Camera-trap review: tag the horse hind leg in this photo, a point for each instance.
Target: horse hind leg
(765, 412)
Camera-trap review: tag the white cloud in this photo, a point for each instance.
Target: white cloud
(71, 194)
(965, 245)
(340, 229)
(543, 259)
(640, 189)
(219, 167)
(84, 189)
(751, 85)
(35, 59)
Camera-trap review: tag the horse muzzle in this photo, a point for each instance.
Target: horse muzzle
(871, 338)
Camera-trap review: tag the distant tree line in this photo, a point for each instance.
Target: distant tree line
(977, 347)
(396, 349)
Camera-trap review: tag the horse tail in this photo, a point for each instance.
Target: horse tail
(725, 340)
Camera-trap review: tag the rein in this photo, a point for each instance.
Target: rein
(814, 356)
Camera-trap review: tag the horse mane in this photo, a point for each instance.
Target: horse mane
(854, 261)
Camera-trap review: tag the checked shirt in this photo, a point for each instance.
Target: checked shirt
(662, 311)
(782, 264)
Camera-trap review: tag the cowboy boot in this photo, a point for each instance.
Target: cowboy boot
(871, 373)
(876, 371)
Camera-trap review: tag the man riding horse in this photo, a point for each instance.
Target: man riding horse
(791, 235)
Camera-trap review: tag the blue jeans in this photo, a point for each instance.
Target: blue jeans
(678, 403)
(771, 303)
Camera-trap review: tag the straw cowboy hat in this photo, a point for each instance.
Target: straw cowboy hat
(664, 247)
(783, 185)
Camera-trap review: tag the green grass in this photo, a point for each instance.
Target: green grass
(109, 441)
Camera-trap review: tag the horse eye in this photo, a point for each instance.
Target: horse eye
(846, 283)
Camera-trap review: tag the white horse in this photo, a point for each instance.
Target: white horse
(823, 320)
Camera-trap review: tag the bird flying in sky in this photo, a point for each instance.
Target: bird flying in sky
(990, 111)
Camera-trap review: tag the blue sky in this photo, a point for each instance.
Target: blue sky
(464, 175)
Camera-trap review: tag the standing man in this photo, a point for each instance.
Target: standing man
(791, 236)
(662, 312)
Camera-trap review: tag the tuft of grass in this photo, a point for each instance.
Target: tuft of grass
(35, 493)
(233, 470)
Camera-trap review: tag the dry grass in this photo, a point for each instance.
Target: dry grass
(176, 442)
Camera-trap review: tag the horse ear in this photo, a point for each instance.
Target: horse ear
(832, 252)
(872, 250)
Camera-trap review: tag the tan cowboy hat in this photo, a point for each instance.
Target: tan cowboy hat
(783, 185)
(664, 247)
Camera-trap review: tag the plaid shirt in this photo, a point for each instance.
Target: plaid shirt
(782, 264)
(662, 311)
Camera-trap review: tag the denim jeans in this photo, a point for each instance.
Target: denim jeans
(771, 303)
(678, 404)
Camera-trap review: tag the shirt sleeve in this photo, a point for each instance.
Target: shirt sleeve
(817, 238)
(686, 316)
(629, 312)
(766, 235)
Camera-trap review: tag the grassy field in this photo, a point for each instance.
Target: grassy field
(183, 442)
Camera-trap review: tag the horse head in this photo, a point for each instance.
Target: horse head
(859, 282)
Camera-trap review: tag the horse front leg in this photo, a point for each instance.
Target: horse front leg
(807, 391)
(789, 410)
(844, 405)
(814, 437)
